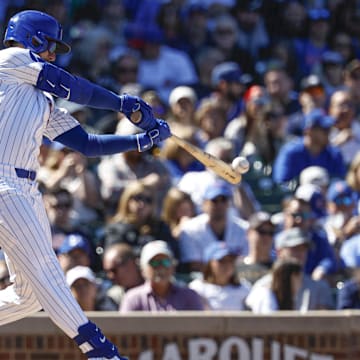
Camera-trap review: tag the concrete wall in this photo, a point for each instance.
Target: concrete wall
(196, 336)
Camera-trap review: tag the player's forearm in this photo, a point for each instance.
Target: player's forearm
(97, 145)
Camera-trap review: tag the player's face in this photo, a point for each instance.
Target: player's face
(48, 56)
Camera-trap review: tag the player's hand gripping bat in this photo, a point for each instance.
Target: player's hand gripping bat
(218, 166)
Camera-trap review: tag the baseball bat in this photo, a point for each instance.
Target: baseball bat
(219, 167)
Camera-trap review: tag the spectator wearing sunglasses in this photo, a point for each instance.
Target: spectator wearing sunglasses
(320, 261)
(136, 221)
(159, 292)
(121, 267)
(260, 258)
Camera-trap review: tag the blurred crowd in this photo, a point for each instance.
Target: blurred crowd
(274, 81)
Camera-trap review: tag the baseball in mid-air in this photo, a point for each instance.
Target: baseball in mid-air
(240, 164)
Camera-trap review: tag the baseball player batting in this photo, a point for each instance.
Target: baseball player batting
(28, 80)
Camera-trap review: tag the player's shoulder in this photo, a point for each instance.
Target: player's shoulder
(17, 56)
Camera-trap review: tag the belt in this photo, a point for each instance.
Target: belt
(25, 174)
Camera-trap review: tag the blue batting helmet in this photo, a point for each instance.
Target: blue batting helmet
(35, 30)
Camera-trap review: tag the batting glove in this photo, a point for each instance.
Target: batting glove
(161, 132)
(129, 104)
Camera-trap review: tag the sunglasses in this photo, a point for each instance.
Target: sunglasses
(166, 263)
(128, 69)
(144, 198)
(118, 265)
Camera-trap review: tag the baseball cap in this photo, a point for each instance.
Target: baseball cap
(181, 92)
(72, 242)
(318, 14)
(310, 81)
(218, 188)
(259, 218)
(340, 189)
(217, 250)
(228, 71)
(291, 237)
(317, 118)
(79, 272)
(316, 175)
(313, 195)
(332, 57)
(153, 248)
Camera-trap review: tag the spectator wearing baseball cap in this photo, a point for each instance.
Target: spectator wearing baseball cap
(294, 243)
(313, 148)
(182, 105)
(159, 292)
(75, 250)
(88, 290)
(219, 285)
(315, 175)
(215, 223)
(321, 261)
(343, 220)
(260, 234)
(331, 70)
(229, 84)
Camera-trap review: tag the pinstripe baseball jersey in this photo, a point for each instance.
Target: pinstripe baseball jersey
(32, 112)
(26, 114)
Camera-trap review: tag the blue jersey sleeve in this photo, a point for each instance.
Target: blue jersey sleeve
(96, 145)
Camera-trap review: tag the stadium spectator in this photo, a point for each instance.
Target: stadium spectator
(177, 208)
(247, 125)
(285, 284)
(178, 161)
(182, 104)
(136, 221)
(342, 221)
(159, 292)
(280, 87)
(229, 85)
(88, 290)
(121, 267)
(260, 258)
(311, 96)
(312, 295)
(312, 149)
(118, 171)
(315, 175)
(321, 261)
(352, 81)
(195, 183)
(353, 179)
(348, 294)
(216, 223)
(75, 251)
(219, 286)
(345, 134)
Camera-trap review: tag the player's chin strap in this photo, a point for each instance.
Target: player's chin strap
(93, 343)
